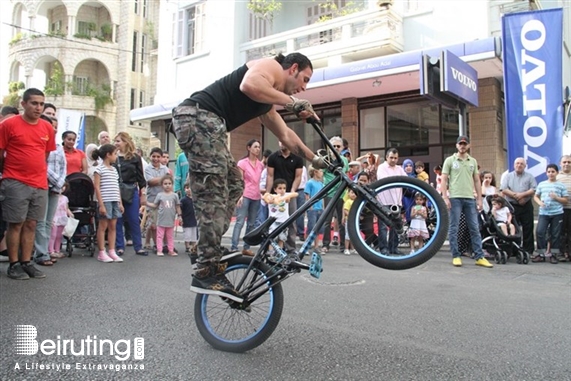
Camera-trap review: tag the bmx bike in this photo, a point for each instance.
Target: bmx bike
(373, 226)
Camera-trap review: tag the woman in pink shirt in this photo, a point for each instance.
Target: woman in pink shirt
(248, 205)
(75, 158)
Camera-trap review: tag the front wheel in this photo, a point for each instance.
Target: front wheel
(378, 244)
(232, 327)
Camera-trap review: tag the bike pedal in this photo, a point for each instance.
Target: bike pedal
(316, 265)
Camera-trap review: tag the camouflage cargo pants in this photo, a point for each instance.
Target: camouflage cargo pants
(215, 180)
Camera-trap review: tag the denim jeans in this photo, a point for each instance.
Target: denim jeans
(248, 209)
(390, 246)
(312, 217)
(553, 225)
(262, 215)
(468, 206)
(130, 214)
(44, 229)
(300, 222)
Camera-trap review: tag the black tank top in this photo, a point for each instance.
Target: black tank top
(225, 99)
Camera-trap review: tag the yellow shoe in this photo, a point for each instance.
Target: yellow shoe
(456, 261)
(484, 263)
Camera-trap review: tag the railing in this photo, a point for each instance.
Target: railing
(354, 31)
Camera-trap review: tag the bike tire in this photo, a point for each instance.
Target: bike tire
(234, 330)
(375, 255)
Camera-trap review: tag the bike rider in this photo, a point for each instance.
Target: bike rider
(201, 123)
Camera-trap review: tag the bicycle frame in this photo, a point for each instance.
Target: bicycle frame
(280, 273)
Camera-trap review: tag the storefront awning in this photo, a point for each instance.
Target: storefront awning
(375, 76)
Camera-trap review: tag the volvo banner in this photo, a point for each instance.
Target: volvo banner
(532, 46)
(71, 120)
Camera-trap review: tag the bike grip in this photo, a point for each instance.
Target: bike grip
(312, 120)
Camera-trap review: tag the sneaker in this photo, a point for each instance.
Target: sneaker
(17, 272)
(553, 259)
(211, 280)
(346, 252)
(484, 263)
(115, 257)
(103, 257)
(457, 261)
(32, 271)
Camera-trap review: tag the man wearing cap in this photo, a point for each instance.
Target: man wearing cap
(354, 168)
(518, 188)
(460, 176)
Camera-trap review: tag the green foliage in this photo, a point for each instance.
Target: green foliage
(56, 81)
(13, 98)
(265, 9)
(107, 31)
(56, 33)
(82, 36)
(17, 38)
(92, 26)
(101, 95)
(335, 11)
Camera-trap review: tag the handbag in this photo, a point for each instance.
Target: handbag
(70, 227)
(127, 190)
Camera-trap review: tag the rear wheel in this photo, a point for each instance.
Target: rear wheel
(233, 327)
(377, 244)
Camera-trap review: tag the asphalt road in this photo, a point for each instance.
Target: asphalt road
(358, 322)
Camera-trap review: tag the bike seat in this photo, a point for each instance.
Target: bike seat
(256, 236)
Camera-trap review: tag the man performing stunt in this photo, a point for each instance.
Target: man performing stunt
(201, 124)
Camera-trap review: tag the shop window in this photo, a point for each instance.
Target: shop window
(413, 125)
(450, 125)
(372, 128)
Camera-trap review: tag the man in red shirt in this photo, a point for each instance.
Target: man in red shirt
(25, 143)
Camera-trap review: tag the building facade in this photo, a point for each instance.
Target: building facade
(98, 57)
(366, 57)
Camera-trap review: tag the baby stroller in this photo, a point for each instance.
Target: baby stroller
(495, 242)
(80, 194)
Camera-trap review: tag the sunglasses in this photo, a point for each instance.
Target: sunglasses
(336, 146)
(463, 143)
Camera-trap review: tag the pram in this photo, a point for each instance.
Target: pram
(80, 194)
(499, 245)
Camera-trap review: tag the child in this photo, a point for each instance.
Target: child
(417, 231)
(189, 224)
(278, 207)
(314, 185)
(488, 184)
(169, 206)
(502, 216)
(420, 173)
(550, 195)
(351, 196)
(153, 174)
(106, 181)
(438, 172)
(60, 220)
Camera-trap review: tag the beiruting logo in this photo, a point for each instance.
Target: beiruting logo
(26, 344)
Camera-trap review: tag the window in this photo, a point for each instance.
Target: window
(413, 125)
(141, 99)
(258, 27)
(190, 30)
(83, 28)
(143, 51)
(145, 7)
(134, 53)
(372, 128)
(136, 2)
(80, 85)
(132, 103)
(56, 26)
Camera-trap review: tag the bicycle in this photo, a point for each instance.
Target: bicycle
(238, 327)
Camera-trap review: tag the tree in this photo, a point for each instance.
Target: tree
(265, 9)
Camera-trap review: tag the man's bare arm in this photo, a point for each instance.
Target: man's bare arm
(259, 81)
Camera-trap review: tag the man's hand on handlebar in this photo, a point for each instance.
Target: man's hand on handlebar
(319, 162)
(302, 109)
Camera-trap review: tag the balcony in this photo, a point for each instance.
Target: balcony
(357, 36)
